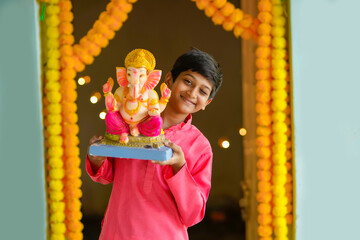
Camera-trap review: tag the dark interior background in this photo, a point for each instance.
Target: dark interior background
(168, 29)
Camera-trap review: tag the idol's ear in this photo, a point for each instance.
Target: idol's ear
(153, 79)
(121, 76)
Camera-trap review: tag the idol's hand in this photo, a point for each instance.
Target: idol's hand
(177, 161)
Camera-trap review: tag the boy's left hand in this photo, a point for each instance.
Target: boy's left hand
(177, 161)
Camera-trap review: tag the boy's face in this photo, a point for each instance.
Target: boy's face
(190, 92)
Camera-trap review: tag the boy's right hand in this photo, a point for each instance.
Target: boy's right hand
(96, 161)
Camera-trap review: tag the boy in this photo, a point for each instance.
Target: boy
(159, 200)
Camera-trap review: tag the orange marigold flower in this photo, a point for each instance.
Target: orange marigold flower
(264, 219)
(228, 9)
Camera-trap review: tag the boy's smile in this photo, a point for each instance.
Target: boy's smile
(189, 92)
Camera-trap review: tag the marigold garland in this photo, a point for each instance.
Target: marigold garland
(52, 115)
(263, 119)
(233, 19)
(280, 125)
(71, 181)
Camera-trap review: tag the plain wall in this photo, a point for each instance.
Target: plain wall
(22, 183)
(326, 83)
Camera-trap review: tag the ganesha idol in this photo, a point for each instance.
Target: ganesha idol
(133, 117)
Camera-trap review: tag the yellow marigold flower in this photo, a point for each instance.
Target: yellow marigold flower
(52, 32)
(277, 10)
(52, 75)
(281, 232)
(52, 9)
(264, 219)
(53, 1)
(278, 63)
(53, 53)
(228, 9)
(278, 31)
(264, 208)
(57, 217)
(52, 21)
(278, 21)
(57, 206)
(56, 196)
(279, 211)
(53, 43)
(58, 228)
(53, 96)
(279, 222)
(55, 141)
(276, 1)
(57, 236)
(53, 63)
(279, 149)
(279, 170)
(218, 18)
(279, 95)
(210, 10)
(264, 231)
(265, 17)
(55, 162)
(278, 190)
(279, 42)
(279, 84)
(56, 185)
(54, 108)
(278, 105)
(279, 159)
(54, 129)
(55, 152)
(57, 173)
(236, 16)
(219, 3)
(278, 117)
(54, 119)
(280, 127)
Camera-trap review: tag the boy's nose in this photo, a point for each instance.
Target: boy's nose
(192, 93)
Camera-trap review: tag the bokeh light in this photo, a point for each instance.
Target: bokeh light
(102, 115)
(242, 131)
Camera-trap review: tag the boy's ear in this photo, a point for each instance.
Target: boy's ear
(168, 79)
(208, 102)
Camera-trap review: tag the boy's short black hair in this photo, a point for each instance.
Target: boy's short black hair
(202, 63)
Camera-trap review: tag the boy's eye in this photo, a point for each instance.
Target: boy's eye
(187, 81)
(203, 92)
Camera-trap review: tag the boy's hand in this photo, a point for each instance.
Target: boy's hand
(177, 161)
(96, 161)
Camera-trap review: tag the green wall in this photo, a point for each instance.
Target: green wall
(326, 84)
(22, 196)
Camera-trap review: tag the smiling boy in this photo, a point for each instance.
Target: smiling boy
(160, 200)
